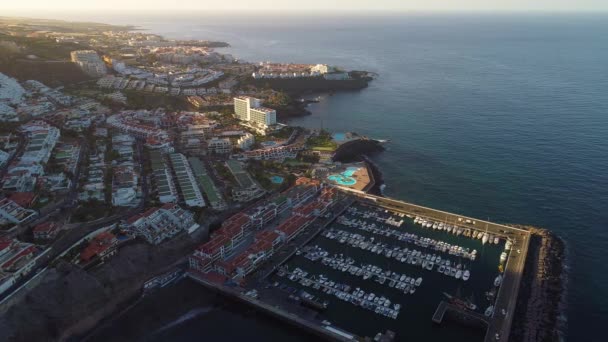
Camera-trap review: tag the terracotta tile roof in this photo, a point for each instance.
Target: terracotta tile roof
(24, 199)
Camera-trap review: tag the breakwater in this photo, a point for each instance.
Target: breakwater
(538, 315)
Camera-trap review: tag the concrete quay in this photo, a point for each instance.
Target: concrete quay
(313, 328)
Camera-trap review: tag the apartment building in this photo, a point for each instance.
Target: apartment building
(159, 224)
(186, 181)
(89, 62)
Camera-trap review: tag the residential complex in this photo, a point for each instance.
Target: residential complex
(215, 198)
(101, 246)
(159, 224)
(218, 254)
(22, 174)
(247, 189)
(13, 213)
(89, 62)
(125, 175)
(219, 146)
(16, 260)
(46, 231)
(279, 70)
(145, 125)
(188, 186)
(162, 178)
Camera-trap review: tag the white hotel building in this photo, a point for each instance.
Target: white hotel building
(250, 109)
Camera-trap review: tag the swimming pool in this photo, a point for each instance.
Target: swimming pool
(345, 178)
(277, 179)
(339, 137)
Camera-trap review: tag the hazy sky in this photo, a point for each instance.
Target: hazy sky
(305, 5)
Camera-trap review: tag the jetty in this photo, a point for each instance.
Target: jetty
(444, 307)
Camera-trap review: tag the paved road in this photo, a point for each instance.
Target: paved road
(500, 325)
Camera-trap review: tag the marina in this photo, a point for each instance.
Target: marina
(372, 252)
(397, 269)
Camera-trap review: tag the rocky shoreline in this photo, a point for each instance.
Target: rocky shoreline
(353, 151)
(540, 310)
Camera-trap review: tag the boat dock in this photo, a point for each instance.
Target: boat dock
(444, 307)
(440, 312)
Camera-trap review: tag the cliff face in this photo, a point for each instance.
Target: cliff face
(70, 301)
(540, 299)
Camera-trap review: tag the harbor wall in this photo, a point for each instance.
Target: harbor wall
(538, 314)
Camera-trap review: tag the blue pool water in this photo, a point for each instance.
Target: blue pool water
(350, 171)
(276, 179)
(268, 143)
(345, 178)
(339, 137)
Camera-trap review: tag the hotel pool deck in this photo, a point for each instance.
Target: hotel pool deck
(345, 178)
(355, 177)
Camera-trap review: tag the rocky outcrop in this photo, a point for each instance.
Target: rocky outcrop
(542, 292)
(311, 84)
(354, 150)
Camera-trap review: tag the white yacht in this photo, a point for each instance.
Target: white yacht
(498, 280)
(466, 275)
(489, 311)
(503, 256)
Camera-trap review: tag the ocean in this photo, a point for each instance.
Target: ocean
(497, 116)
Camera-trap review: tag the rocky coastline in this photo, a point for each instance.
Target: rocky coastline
(539, 314)
(354, 150)
(312, 84)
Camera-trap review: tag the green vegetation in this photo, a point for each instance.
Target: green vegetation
(322, 142)
(262, 170)
(42, 48)
(143, 100)
(9, 127)
(90, 211)
(41, 59)
(278, 99)
(224, 172)
(285, 133)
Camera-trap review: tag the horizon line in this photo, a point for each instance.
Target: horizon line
(9, 12)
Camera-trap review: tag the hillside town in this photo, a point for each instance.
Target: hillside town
(100, 164)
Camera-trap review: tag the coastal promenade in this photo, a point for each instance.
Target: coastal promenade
(500, 324)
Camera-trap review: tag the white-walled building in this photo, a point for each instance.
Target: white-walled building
(159, 224)
(219, 145)
(188, 186)
(89, 62)
(250, 109)
(11, 91)
(245, 142)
